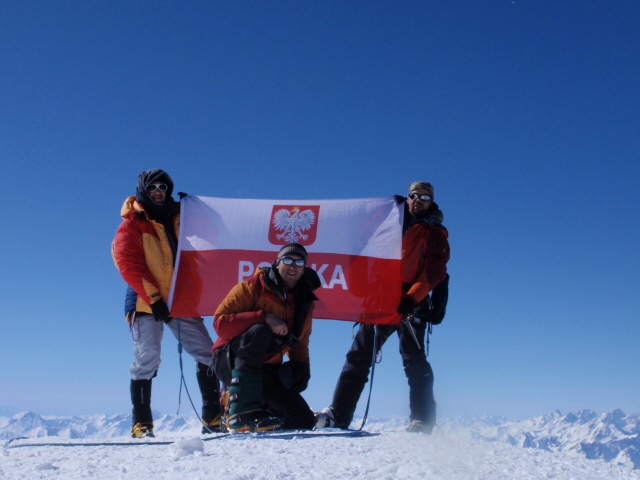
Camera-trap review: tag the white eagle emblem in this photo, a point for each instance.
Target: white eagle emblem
(293, 223)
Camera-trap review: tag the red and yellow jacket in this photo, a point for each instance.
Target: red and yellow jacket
(248, 303)
(142, 252)
(425, 253)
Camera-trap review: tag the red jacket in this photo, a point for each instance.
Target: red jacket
(425, 253)
(142, 252)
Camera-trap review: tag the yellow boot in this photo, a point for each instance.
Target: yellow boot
(141, 430)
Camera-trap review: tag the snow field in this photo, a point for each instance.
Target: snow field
(391, 455)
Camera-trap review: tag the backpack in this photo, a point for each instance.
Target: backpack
(434, 307)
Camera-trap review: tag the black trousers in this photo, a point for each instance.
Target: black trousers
(355, 371)
(246, 353)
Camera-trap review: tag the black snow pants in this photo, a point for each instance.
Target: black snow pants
(246, 353)
(355, 371)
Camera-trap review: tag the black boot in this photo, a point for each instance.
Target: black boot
(141, 399)
(422, 403)
(211, 408)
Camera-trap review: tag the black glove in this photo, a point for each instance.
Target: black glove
(400, 198)
(301, 376)
(407, 305)
(160, 311)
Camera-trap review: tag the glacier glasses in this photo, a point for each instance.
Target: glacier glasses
(298, 262)
(160, 186)
(424, 198)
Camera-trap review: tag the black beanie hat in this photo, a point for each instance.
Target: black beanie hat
(294, 248)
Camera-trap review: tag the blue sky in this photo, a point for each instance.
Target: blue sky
(523, 114)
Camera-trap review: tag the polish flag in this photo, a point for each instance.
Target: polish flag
(353, 245)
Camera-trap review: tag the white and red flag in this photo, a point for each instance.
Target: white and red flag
(353, 245)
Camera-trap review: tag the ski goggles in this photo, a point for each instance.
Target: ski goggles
(298, 262)
(424, 198)
(160, 186)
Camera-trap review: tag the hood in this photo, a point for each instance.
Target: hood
(155, 210)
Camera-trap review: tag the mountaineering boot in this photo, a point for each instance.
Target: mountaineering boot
(328, 418)
(424, 426)
(430, 421)
(422, 404)
(141, 430)
(142, 419)
(246, 412)
(211, 408)
(416, 426)
(214, 426)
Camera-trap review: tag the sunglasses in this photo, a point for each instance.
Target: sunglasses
(424, 198)
(161, 186)
(288, 261)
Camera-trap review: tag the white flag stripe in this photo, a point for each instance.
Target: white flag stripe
(367, 227)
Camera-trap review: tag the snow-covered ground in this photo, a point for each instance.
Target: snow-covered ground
(391, 455)
(462, 449)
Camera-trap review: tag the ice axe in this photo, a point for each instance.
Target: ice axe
(407, 320)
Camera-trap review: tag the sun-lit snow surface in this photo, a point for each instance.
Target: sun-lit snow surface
(463, 448)
(392, 455)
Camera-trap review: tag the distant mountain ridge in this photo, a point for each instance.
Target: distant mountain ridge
(612, 437)
(97, 427)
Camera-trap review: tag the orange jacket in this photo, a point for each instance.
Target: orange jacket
(142, 252)
(248, 303)
(425, 253)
